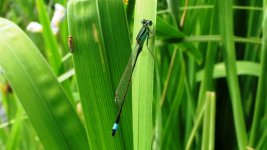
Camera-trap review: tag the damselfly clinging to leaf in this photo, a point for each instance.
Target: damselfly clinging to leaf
(124, 83)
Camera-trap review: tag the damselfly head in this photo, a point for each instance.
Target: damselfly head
(146, 23)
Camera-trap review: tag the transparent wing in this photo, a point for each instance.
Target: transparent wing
(125, 81)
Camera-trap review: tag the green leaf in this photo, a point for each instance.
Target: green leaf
(243, 68)
(101, 48)
(14, 137)
(209, 123)
(173, 7)
(197, 122)
(52, 51)
(208, 70)
(142, 88)
(227, 33)
(165, 30)
(179, 73)
(262, 83)
(169, 34)
(36, 86)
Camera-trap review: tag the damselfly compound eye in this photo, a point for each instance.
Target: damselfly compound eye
(143, 21)
(149, 22)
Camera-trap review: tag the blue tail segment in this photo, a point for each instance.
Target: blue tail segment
(115, 128)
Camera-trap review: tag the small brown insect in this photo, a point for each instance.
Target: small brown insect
(7, 89)
(70, 43)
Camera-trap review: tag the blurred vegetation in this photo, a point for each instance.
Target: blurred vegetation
(201, 86)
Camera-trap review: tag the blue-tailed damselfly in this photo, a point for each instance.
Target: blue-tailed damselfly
(124, 83)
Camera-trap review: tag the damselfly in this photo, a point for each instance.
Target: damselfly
(124, 83)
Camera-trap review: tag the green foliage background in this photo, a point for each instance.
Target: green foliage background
(201, 86)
